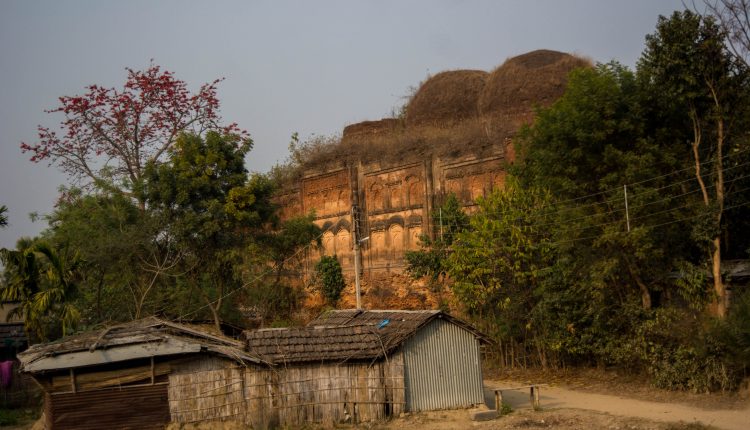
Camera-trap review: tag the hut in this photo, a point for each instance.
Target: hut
(346, 366)
(142, 374)
(355, 365)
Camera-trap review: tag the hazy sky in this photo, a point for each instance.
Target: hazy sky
(306, 66)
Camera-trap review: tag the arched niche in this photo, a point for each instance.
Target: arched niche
(414, 190)
(395, 197)
(476, 187)
(329, 246)
(396, 239)
(413, 241)
(375, 198)
(343, 244)
(377, 243)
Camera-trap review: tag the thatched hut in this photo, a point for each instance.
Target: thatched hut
(142, 375)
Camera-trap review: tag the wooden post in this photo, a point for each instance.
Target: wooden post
(499, 402)
(73, 380)
(531, 396)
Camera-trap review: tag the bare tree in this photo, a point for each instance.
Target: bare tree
(734, 17)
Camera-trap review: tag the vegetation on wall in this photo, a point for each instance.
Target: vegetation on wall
(330, 278)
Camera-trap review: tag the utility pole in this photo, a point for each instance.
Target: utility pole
(357, 256)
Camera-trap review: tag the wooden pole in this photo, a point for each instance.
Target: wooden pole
(73, 380)
(499, 402)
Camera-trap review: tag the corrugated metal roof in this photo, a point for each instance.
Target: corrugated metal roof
(402, 322)
(149, 337)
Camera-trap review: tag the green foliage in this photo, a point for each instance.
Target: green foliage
(44, 281)
(125, 265)
(328, 271)
(563, 279)
(505, 409)
(449, 220)
(206, 205)
(503, 257)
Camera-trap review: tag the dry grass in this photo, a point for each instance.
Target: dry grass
(446, 98)
(453, 114)
(476, 136)
(537, 78)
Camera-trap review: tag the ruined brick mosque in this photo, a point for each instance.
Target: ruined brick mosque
(383, 181)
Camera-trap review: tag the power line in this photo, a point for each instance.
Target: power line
(734, 154)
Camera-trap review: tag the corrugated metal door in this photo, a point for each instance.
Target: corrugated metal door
(442, 368)
(143, 407)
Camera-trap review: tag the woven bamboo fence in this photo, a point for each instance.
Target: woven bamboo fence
(320, 393)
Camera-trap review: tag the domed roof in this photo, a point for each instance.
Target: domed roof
(523, 82)
(447, 97)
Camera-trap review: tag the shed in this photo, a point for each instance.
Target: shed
(441, 354)
(141, 374)
(355, 365)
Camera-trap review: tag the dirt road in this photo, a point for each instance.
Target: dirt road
(560, 398)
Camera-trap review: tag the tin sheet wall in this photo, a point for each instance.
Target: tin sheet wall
(442, 368)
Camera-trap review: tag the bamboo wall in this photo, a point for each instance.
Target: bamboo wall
(333, 393)
(292, 396)
(207, 395)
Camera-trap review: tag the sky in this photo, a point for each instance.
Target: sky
(310, 67)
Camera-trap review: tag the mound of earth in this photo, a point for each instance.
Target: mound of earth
(523, 82)
(446, 98)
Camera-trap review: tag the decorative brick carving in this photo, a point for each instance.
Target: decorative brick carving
(328, 194)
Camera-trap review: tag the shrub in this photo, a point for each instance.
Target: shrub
(331, 279)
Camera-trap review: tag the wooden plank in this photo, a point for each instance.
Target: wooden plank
(94, 380)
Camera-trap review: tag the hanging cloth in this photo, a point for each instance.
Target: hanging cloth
(6, 373)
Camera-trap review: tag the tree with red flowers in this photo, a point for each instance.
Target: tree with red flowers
(108, 136)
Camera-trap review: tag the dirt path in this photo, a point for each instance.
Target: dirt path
(555, 397)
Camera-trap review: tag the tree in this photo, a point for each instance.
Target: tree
(126, 259)
(430, 260)
(108, 136)
(208, 208)
(500, 260)
(686, 63)
(44, 280)
(330, 277)
(281, 244)
(734, 17)
(599, 125)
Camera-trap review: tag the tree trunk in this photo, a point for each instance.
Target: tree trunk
(645, 293)
(719, 306)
